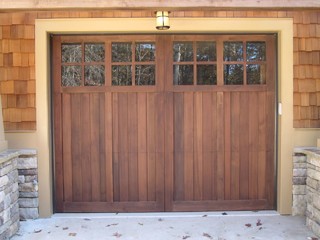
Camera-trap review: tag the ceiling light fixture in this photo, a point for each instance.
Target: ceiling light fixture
(162, 20)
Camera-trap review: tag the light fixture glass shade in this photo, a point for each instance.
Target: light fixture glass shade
(162, 20)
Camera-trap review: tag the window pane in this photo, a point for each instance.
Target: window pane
(183, 74)
(71, 53)
(94, 52)
(145, 52)
(121, 52)
(182, 52)
(256, 51)
(145, 75)
(233, 51)
(206, 74)
(206, 51)
(233, 74)
(71, 76)
(94, 75)
(256, 74)
(122, 75)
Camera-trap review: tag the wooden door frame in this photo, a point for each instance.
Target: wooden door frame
(281, 26)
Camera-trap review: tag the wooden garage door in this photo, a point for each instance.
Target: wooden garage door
(164, 123)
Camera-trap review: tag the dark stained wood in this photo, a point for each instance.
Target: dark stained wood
(227, 145)
(235, 146)
(95, 128)
(123, 148)
(164, 147)
(59, 173)
(115, 148)
(220, 147)
(214, 142)
(220, 205)
(178, 126)
(253, 143)
(142, 147)
(108, 113)
(188, 138)
(207, 148)
(198, 147)
(67, 150)
(76, 149)
(169, 151)
(85, 144)
(151, 146)
(244, 145)
(133, 147)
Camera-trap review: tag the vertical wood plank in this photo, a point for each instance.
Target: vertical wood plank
(214, 145)
(221, 147)
(151, 146)
(159, 140)
(262, 145)
(188, 145)
(102, 138)
(198, 151)
(66, 149)
(227, 146)
(270, 168)
(115, 147)
(235, 142)
(95, 129)
(142, 147)
(178, 146)
(123, 147)
(108, 111)
(169, 152)
(207, 121)
(253, 145)
(76, 148)
(244, 145)
(85, 140)
(133, 119)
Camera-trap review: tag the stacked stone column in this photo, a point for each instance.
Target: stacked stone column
(9, 208)
(313, 192)
(299, 184)
(28, 184)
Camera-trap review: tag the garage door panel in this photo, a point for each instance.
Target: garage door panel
(205, 142)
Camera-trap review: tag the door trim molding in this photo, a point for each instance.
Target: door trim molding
(282, 26)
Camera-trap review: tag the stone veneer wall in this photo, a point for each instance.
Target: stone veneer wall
(313, 190)
(28, 184)
(9, 194)
(306, 186)
(299, 184)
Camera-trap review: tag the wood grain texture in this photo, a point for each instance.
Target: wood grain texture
(167, 148)
(44, 5)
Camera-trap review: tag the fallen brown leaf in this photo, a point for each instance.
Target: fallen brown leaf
(117, 235)
(112, 224)
(207, 235)
(72, 234)
(258, 223)
(248, 225)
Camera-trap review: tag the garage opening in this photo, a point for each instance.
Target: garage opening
(164, 122)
